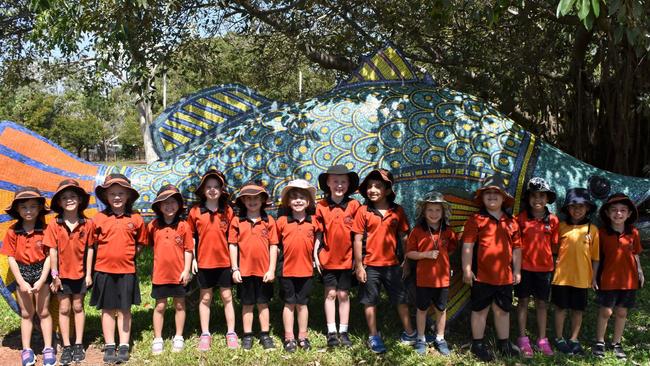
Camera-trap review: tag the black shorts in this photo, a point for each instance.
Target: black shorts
(115, 291)
(167, 291)
(569, 297)
(537, 284)
(296, 290)
(425, 296)
(390, 278)
(616, 298)
(214, 277)
(341, 279)
(483, 294)
(72, 287)
(253, 291)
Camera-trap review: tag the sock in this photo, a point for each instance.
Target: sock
(415, 333)
(331, 327)
(422, 338)
(205, 334)
(303, 335)
(124, 344)
(157, 339)
(343, 328)
(440, 337)
(288, 336)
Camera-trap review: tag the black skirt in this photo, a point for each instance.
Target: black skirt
(72, 287)
(115, 291)
(167, 291)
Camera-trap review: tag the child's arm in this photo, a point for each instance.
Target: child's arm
(640, 270)
(466, 260)
(406, 267)
(516, 265)
(195, 264)
(316, 247)
(594, 277)
(269, 276)
(89, 266)
(358, 258)
(185, 275)
(22, 284)
(54, 264)
(234, 253)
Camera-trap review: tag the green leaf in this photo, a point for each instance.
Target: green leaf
(564, 7)
(589, 21)
(585, 6)
(595, 4)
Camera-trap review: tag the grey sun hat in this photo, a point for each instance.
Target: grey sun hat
(537, 184)
(433, 197)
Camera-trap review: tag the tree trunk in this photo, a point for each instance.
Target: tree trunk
(146, 118)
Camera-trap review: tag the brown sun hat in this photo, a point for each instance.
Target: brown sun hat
(164, 193)
(119, 179)
(212, 173)
(252, 189)
(301, 184)
(381, 175)
(433, 197)
(23, 194)
(494, 182)
(72, 185)
(619, 198)
(339, 170)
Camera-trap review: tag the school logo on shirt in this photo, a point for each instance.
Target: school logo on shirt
(82, 234)
(130, 225)
(39, 243)
(265, 233)
(179, 240)
(224, 224)
(348, 220)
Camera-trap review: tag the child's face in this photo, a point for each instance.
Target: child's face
(492, 199)
(298, 201)
(433, 213)
(69, 200)
(618, 213)
(338, 184)
(577, 212)
(377, 190)
(117, 197)
(29, 209)
(538, 201)
(253, 203)
(169, 207)
(212, 189)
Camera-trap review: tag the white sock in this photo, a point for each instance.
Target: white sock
(331, 327)
(440, 337)
(158, 339)
(124, 344)
(343, 328)
(422, 338)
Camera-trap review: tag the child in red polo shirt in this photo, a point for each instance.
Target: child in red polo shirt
(429, 244)
(30, 265)
(209, 221)
(296, 232)
(539, 234)
(119, 235)
(491, 262)
(69, 238)
(384, 226)
(333, 252)
(619, 271)
(171, 238)
(253, 241)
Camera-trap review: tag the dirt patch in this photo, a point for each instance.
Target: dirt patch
(10, 348)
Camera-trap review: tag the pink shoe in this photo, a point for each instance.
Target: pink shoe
(204, 342)
(231, 340)
(524, 345)
(544, 346)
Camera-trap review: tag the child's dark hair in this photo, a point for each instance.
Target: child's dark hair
(40, 219)
(180, 213)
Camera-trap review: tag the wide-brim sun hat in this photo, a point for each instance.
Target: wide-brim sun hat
(619, 198)
(252, 189)
(216, 174)
(73, 185)
(494, 182)
(578, 196)
(339, 170)
(433, 197)
(380, 175)
(301, 184)
(119, 179)
(165, 192)
(24, 194)
(537, 184)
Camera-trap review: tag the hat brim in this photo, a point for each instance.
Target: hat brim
(155, 205)
(551, 196)
(12, 210)
(311, 190)
(83, 195)
(352, 177)
(508, 200)
(579, 201)
(446, 206)
(200, 188)
(602, 212)
(377, 175)
(100, 191)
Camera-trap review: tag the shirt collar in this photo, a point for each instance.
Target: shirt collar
(60, 220)
(263, 217)
(343, 204)
(204, 209)
(109, 212)
(484, 212)
(290, 218)
(391, 207)
(163, 224)
(39, 227)
(545, 218)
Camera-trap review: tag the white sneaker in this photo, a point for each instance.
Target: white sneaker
(178, 343)
(157, 346)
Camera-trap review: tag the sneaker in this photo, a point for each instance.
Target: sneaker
(304, 344)
(544, 346)
(507, 349)
(232, 340)
(157, 346)
(442, 347)
(122, 353)
(344, 340)
(49, 357)
(618, 351)
(267, 342)
(333, 339)
(575, 347)
(408, 339)
(78, 352)
(66, 355)
(524, 345)
(481, 351)
(109, 354)
(204, 342)
(27, 357)
(598, 349)
(562, 346)
(420, 347)
(376, 344)
(178, 343)
(247, 342)
(290, 345)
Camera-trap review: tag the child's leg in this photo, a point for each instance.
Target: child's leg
(620, 314)
(478, 320)
(405, 317)
(330, 308)
(247, 318)
(263, 316)
(522, 315)
(79, 317)
(576, 323)
(541, 310)
(501, 322)
(441, 322)
(204, 309)
(42, 307)
(421, 322)
(159, 317)
(108, 325)
(560, 317)
(179, 318)
(604, 313)
(124, 325)
(228, 308)
(303, 320)
(344, 306)
(287, 320)
(371, 318)
(64, 318)
(27, 310)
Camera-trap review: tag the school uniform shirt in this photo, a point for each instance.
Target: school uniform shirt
(71, 246)
(296, 245)
(26, 248)
(115, 239)
(210, 232)
(538, 238)
(494, 240)
(618, 270)
(335, 222)
(382, 233)
(579, 246)
(170, 243)
(253, 240)
(432, 272)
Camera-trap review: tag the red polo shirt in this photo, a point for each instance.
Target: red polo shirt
(538, 237)
(619, 270)
(254, 240)
(71, 246)
(116, 238)
(383, 232)
(432, 272)
(26, 248)
(297, 245)
(335, 222)
(210, 228)
(170, 242)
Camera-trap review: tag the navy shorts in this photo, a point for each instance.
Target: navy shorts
(341, 279)
(425, 296)
(253, 291)
(483, 295)
(536, 284)
(616, 298)
(168, 290)
(72, 287)
(296, 290)
(390, 278)
(214, 277)
(569, 297)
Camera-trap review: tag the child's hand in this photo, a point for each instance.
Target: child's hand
(195, 267)
(268, 276)
(594, 284)
(185, 278)
(56, 284)
(641, 279)
(469, 277)
(236, 277)
(434, 254)
(361, 274)
(406, 269)
(317, 263)
(37, 286)
(517, 278)
(25, 287)
(89, 281)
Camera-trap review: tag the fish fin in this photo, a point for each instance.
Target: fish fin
(385, 65)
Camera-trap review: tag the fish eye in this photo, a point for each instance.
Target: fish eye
(599, 187)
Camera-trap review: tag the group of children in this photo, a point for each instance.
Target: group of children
(346, 241)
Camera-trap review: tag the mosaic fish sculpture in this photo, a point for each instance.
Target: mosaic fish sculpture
(384, 115)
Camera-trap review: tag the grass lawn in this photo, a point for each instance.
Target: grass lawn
(636, 339)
